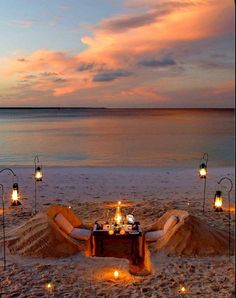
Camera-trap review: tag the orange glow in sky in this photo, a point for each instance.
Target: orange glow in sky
(176, 53)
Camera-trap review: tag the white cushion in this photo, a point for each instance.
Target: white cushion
(81, 234)
(170, 223)
(153, 236)
(63, 223)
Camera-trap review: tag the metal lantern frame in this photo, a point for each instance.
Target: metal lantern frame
(37, 168)
(229, 219)
(203, 164)
(3, 228)
(15, 186)
(3, 212)
(218, 195)
(201, 167)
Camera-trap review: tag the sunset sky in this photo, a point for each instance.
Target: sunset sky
(117, 53)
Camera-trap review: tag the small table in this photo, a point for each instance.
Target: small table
(127, 245)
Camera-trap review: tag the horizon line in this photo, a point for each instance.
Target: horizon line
(116, 108)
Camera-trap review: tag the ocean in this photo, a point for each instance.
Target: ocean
(117, 137)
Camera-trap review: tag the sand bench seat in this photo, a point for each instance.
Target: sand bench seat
(55, 232)
(190, 236)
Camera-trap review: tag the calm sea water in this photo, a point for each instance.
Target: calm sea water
(116, 137)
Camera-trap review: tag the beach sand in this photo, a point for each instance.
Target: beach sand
(91, 192)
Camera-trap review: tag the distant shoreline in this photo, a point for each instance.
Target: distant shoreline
(110, 108)
(51, 108)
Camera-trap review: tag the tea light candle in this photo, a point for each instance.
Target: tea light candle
(116, 274)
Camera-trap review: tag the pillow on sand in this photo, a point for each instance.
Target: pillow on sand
(81, 234)
(153, 236)
(170, 223)
(63, 223)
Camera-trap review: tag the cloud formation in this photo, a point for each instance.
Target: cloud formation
(27, 23)
(126, 22)
(111, 75)
(165, 61)
(85, 66)
(126, 50)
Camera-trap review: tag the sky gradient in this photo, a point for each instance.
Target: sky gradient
(117, 53)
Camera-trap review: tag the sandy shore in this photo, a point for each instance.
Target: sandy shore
(96, 184)
(149, 193)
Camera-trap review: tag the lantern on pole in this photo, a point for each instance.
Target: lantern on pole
(15, 189)
(38, 174)
(219, 197)
(203, 171)
(15, 195)
(38, 177)
(3, 228)
(218, 201)
(203, 175)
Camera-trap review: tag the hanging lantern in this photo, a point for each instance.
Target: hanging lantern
(38, 174)
(203, 170)
(218, 201)
(15, 195)
(118, 216)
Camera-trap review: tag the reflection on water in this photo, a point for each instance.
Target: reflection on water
(116, 137)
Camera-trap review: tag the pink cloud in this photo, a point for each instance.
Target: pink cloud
(42, 60)
(27, 23)
(122, 40)
(117, 46)
(224, 87)
(145, 93)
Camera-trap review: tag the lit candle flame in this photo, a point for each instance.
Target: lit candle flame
(122, 231)
(183, 289)
(49, 287)
(116, 274)
(118, 219)
(118, 216)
